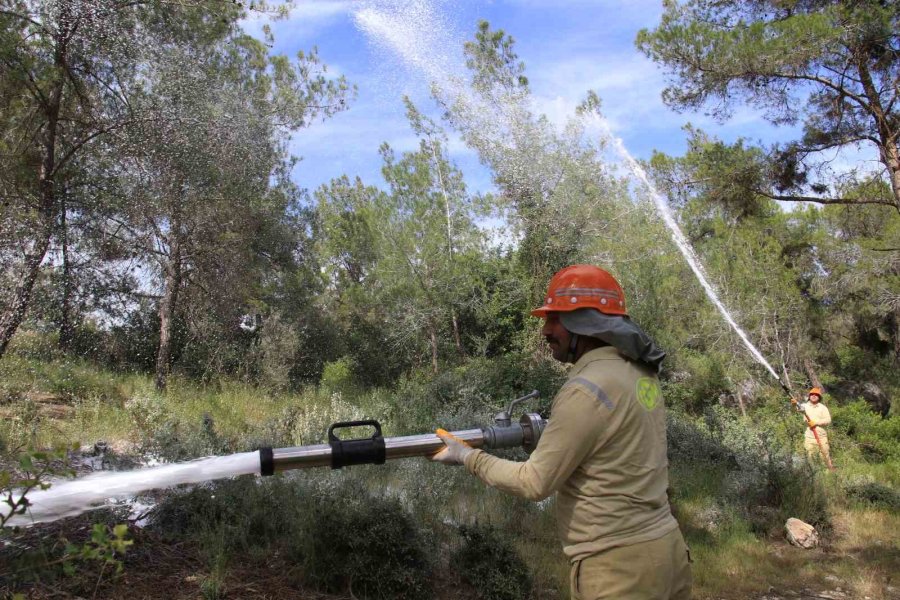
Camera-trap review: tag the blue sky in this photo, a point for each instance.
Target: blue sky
(569, 47)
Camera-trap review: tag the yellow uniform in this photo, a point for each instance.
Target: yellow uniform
(604, 452)
(818, 413)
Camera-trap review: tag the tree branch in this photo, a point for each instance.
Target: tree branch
(823, 81)
(26, 18)
(845, 201)
(77, 145)
(31, 84)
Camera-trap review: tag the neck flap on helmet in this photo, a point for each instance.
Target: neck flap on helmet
(618, 331)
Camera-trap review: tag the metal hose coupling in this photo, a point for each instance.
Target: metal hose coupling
(376, 449)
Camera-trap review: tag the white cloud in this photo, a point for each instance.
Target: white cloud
(319, 9)
(348, 143)
(305, 21)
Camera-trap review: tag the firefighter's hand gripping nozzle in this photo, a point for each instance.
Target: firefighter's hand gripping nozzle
(375, 450)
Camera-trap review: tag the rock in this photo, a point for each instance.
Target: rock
(877, 398)
(801, 534)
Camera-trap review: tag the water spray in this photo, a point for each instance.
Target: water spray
(70, 498)
(685, 248)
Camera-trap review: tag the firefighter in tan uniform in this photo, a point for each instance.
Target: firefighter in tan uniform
(817, 417)
(604, 449)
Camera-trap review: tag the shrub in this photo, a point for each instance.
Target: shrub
(762, 478)
(277, 352)
(28, 343)
(488, 561)
(174, 440)
(769, 475)
(690, 443)
(337, 375)
(364, 543)
(875, 494)
(877, 437)
(472, 392)
(339, 536)
(699, 385)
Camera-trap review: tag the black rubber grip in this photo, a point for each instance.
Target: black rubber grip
(364, 451)
(266, 461)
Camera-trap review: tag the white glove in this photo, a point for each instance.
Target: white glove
(455, 450)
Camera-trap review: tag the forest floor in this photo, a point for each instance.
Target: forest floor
(860, 563)
(859, 559)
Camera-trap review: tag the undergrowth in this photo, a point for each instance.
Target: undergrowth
(399, 530)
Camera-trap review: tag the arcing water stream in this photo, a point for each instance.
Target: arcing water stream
(69, 498)
(683, 245)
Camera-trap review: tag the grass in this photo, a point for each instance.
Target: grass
(862, 557)
(71, 400)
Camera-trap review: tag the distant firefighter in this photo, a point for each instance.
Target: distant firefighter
(815, 440)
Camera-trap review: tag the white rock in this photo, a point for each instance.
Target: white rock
(801, 534)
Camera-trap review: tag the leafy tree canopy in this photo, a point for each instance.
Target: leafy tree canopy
(833, 66)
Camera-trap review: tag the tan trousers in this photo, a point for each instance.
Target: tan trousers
(812, 449)
(654, 570)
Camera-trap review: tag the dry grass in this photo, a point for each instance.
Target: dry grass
(867, 552)
(862, 558)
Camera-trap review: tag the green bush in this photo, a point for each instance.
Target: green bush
(28, 343)
(688, 442)
(762, 477)
(363, 543)
(488, 562)
(175, 440)
(78, 381)
(472, 392)
(337, 375)
(878, 438)
(336, 534)
(703, 380)
(875, 494)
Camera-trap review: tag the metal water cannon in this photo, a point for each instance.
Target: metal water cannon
(376, 449)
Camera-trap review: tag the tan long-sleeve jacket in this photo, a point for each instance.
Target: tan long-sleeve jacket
(820, 415)
(603, 451)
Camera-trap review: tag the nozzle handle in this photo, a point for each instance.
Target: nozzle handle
(363, 451)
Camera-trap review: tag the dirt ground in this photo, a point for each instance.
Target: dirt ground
(157, 569)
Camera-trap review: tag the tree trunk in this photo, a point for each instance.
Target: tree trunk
(887, 129)
(740, 399)
(432, 332)
(894, 166)
(785, 376)
(895, 321)
(13, 316)
(167, 307)
(65, 324)
(456, 336)
(811, 373)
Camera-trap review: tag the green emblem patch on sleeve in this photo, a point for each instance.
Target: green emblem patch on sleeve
(648, 393)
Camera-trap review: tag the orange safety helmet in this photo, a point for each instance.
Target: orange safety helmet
(815, 391)
(583, 286)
